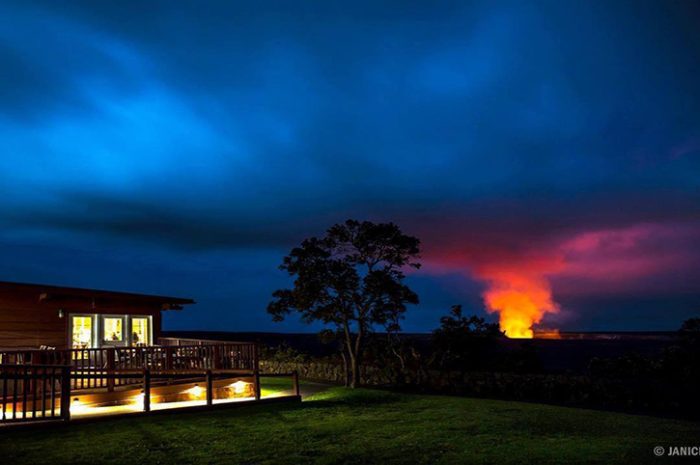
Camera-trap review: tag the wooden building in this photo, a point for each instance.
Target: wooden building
(67, 351)
(34, 316)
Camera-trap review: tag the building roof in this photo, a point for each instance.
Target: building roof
(46, 292)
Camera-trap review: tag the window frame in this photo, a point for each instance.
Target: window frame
(149, 319)
(93, 329)
(106, 343)
(97, 332)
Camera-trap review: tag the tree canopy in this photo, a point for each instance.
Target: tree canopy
(352, 279)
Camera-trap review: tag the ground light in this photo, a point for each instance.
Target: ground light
(138, 398)
(195, 391)
(77, 406)
(238, 387)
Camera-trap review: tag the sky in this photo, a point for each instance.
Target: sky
(550, 149)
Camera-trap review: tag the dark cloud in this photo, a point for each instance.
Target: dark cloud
(191, 129)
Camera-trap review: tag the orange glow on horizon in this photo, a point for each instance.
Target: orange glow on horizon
(521, 301)
(517, 271)
(547, 334)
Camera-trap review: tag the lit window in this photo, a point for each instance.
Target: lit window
(113, 330)
(82, 332)
(140, 331)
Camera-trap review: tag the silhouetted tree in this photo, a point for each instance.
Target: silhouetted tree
(690, 331)
(460, 342)
(681, 361)
(352, 278)
(335, 337)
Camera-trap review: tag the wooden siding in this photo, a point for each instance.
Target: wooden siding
(27, 321)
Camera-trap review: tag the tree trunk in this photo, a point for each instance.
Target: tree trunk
(355, 367)
(346, 368)
(354, 353)
(351, 354)
(353, 358)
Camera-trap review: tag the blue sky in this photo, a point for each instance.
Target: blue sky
(182, 148)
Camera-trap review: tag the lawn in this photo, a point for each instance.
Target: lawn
(363, 426)
(274, 386)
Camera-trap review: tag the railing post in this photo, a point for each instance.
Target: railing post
(210, 388)
(256, 372)
(111, 356)
(295, 378)
(65, 393)
(216, 362)
(256, 385)
(169, 357)
(146, 390)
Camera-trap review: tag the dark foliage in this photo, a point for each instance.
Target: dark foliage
(670, 381)
(464, 343)
(352, 280)
(283, 353)
(466, 356)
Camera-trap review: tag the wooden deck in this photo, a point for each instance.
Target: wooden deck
(48, 384)
(104, 361)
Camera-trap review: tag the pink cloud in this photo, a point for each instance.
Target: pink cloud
(523, 276)
(642, 258)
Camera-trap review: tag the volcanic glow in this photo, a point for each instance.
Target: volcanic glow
(520, 300)
(519, 274)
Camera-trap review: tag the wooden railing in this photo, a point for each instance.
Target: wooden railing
(188, 341)
(95, 362)
(34, 392)
(43, 392)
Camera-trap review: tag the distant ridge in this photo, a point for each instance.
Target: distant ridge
(569, 351)
(249, 336)
(310, 340)
(607, 335)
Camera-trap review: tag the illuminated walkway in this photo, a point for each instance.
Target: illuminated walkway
(83, 411)
(79, 411)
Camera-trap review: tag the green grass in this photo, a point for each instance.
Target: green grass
(359, 427)
(270, 386)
